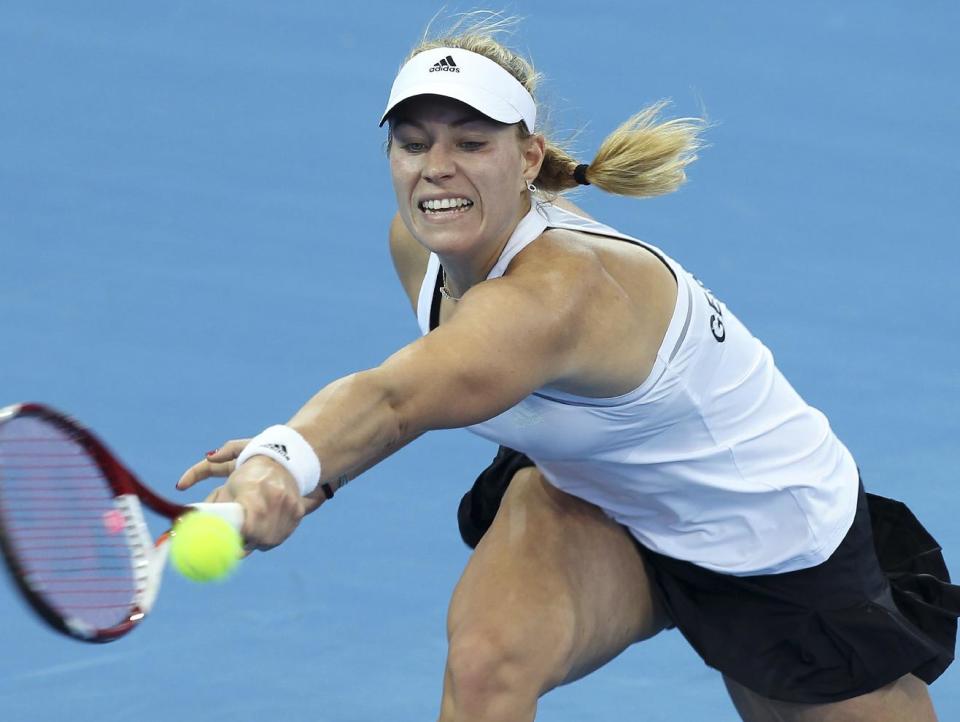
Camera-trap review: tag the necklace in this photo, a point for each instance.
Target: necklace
(443, 288)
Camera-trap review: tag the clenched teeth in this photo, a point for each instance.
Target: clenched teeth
(445, 204)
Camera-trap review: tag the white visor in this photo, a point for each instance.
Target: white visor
(468, 77)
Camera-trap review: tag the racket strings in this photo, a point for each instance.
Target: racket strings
(62, 524)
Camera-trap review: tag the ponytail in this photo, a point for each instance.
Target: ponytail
(643, 157)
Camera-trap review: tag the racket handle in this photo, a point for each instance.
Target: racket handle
(229, 511)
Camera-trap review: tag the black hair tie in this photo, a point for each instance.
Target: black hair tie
(580, 174)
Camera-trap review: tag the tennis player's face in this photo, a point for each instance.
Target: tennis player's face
(459, 177)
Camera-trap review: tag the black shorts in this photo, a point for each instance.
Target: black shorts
(880, 607)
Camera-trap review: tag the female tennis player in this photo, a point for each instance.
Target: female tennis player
(656, 470)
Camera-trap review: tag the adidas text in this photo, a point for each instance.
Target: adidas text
(446, 65)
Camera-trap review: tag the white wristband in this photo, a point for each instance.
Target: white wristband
(290, 450)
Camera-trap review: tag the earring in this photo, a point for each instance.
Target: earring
(531, 187)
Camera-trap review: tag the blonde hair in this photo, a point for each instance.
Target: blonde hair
(643, 157)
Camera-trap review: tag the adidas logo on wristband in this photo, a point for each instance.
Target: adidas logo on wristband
(280, 449)
(289, 449)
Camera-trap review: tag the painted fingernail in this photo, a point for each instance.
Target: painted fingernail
(211, 453)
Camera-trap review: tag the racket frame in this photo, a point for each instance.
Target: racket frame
(148, 557)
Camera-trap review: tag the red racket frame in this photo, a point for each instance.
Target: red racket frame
(122, 481)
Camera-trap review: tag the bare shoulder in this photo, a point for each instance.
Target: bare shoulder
(567, 272)
(559, 262)
(409, 258)
(603, 265)
(614, 298)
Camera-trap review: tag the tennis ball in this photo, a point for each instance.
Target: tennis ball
(204, 547)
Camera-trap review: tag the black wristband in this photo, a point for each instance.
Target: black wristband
(580, 174)
(327, 490)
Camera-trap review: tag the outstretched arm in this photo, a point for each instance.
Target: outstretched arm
(507, 338)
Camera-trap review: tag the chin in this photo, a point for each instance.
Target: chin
(447, 239)
(452, 246)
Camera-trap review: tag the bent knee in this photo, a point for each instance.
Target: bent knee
(485, 662)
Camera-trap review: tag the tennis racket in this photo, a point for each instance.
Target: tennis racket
(72, 528)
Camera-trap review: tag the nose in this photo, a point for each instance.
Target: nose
(438, 163)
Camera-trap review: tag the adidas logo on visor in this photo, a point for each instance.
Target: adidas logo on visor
(446, 65)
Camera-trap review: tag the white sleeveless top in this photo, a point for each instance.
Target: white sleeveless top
(713, 459)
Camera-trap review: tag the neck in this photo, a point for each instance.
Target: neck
(462, 272)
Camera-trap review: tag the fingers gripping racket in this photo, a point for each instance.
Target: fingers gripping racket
(72, 528)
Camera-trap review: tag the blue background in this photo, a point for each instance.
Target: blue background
(193, 209)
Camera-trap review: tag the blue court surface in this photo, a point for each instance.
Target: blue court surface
(194, 200)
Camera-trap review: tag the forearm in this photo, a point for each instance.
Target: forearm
(352, 424)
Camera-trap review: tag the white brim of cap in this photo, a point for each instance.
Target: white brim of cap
(486, 103)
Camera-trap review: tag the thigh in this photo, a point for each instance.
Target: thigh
(556, 577)
(905, 699)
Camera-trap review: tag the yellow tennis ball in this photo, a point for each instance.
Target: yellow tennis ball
(204, 547)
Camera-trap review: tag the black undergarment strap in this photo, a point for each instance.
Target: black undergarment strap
(435, 301)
